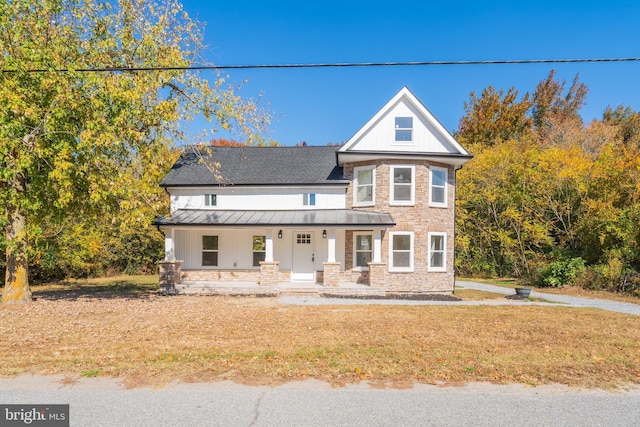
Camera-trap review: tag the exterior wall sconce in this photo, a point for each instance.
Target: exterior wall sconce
(324, 234)
(280, 234)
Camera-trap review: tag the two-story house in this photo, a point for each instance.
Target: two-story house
(377, 211)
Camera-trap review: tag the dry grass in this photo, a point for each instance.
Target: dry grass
(152, 340)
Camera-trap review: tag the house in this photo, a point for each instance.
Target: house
(378, 211)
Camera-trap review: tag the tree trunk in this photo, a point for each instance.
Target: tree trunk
(16, 285)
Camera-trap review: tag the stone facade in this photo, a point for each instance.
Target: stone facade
(331, 275)
(419, 219)
(269, 273)
(170, 275)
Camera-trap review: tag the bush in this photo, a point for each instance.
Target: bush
(612, 277)
(561, 272)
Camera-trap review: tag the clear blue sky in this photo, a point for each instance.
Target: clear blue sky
(331, 104)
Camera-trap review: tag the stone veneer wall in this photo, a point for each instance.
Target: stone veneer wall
(419, 219)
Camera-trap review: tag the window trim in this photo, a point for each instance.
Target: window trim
(372, 202)
(254, 251)
(355, 250)
(431, 186)
(392, 184)
(396, 129)
(411, 251)
(444, 251)
(203, 251)
(210, 200)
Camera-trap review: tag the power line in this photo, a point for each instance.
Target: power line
(328, 65)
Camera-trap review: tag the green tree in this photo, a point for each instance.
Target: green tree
(66, 137)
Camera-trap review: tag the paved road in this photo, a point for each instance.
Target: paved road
(100, 402)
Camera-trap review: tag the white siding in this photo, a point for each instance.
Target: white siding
(381, 136)
(258, 198)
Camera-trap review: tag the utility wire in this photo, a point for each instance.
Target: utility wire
(327, 65)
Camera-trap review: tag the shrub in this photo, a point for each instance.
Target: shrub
(558, 273)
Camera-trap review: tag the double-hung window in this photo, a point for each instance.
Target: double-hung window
(364, 186)
(402, 185)
(404, 129)
(259, 249)
(209, 251)
(437, 252)
(438, 186)
(363, 250)
(401, 253)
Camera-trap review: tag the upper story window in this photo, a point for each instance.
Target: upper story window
(211, 200)
(438, 186)
(402, 185)
(404, 129)
(309, 199)
(364, 183)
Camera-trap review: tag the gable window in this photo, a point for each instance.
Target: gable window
(437, 251)
(402, 185)
(401, 253)
(210, 199)
(363, 250)
(209, 251)
(404, 129)
(364, 186)
(309, 199)
(438, 187)
(259, 250)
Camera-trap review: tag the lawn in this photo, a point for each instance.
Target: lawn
(123, 329)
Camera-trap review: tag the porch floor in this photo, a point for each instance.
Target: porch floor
(283, 288)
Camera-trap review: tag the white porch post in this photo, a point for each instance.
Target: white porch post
(331, 245)
(169, 245)
(377, 246)
(268, 256)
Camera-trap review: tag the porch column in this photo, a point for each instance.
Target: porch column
(331, 245)
(377, 246)
(268, 256)
(169, 245)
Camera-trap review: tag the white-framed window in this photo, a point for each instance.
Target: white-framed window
(362, 250)
(401, 251)
(209, 251)
(364, 186)
(437, 251)
(211, 200)
(404, 129)
(403, 188)
(259, 249)
(309, 199)
(438, 186)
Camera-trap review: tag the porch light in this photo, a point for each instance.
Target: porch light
(324, 234)
(280, 234)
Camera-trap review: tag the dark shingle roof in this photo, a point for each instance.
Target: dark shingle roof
(257, 166)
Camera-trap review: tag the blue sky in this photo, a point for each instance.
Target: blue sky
(330, 104)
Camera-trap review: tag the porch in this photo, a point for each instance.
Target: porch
(245, 288)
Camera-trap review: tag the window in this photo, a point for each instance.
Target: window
(402, 185)
(364, 182)
(259, 250)
(438, 188)
(437, 251)
(401, 253)
(210, 200)
(303, 239)
(404, 129)
(309, 199)
(210, 251)
(363, 248)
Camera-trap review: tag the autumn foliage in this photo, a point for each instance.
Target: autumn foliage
(547, 193)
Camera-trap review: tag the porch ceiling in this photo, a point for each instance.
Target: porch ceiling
(295, 218)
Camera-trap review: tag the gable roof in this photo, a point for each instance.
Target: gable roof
(431, 139)
(313, 165)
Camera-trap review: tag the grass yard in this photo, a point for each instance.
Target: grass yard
(120, 328)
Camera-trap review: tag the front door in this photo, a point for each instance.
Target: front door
(303, 256)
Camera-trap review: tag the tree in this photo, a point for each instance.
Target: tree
(67, 136)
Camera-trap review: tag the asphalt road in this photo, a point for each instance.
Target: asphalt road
(103, 402)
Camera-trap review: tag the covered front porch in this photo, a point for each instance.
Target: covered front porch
(274, 249)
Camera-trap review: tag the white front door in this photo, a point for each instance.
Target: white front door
(303, 256)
